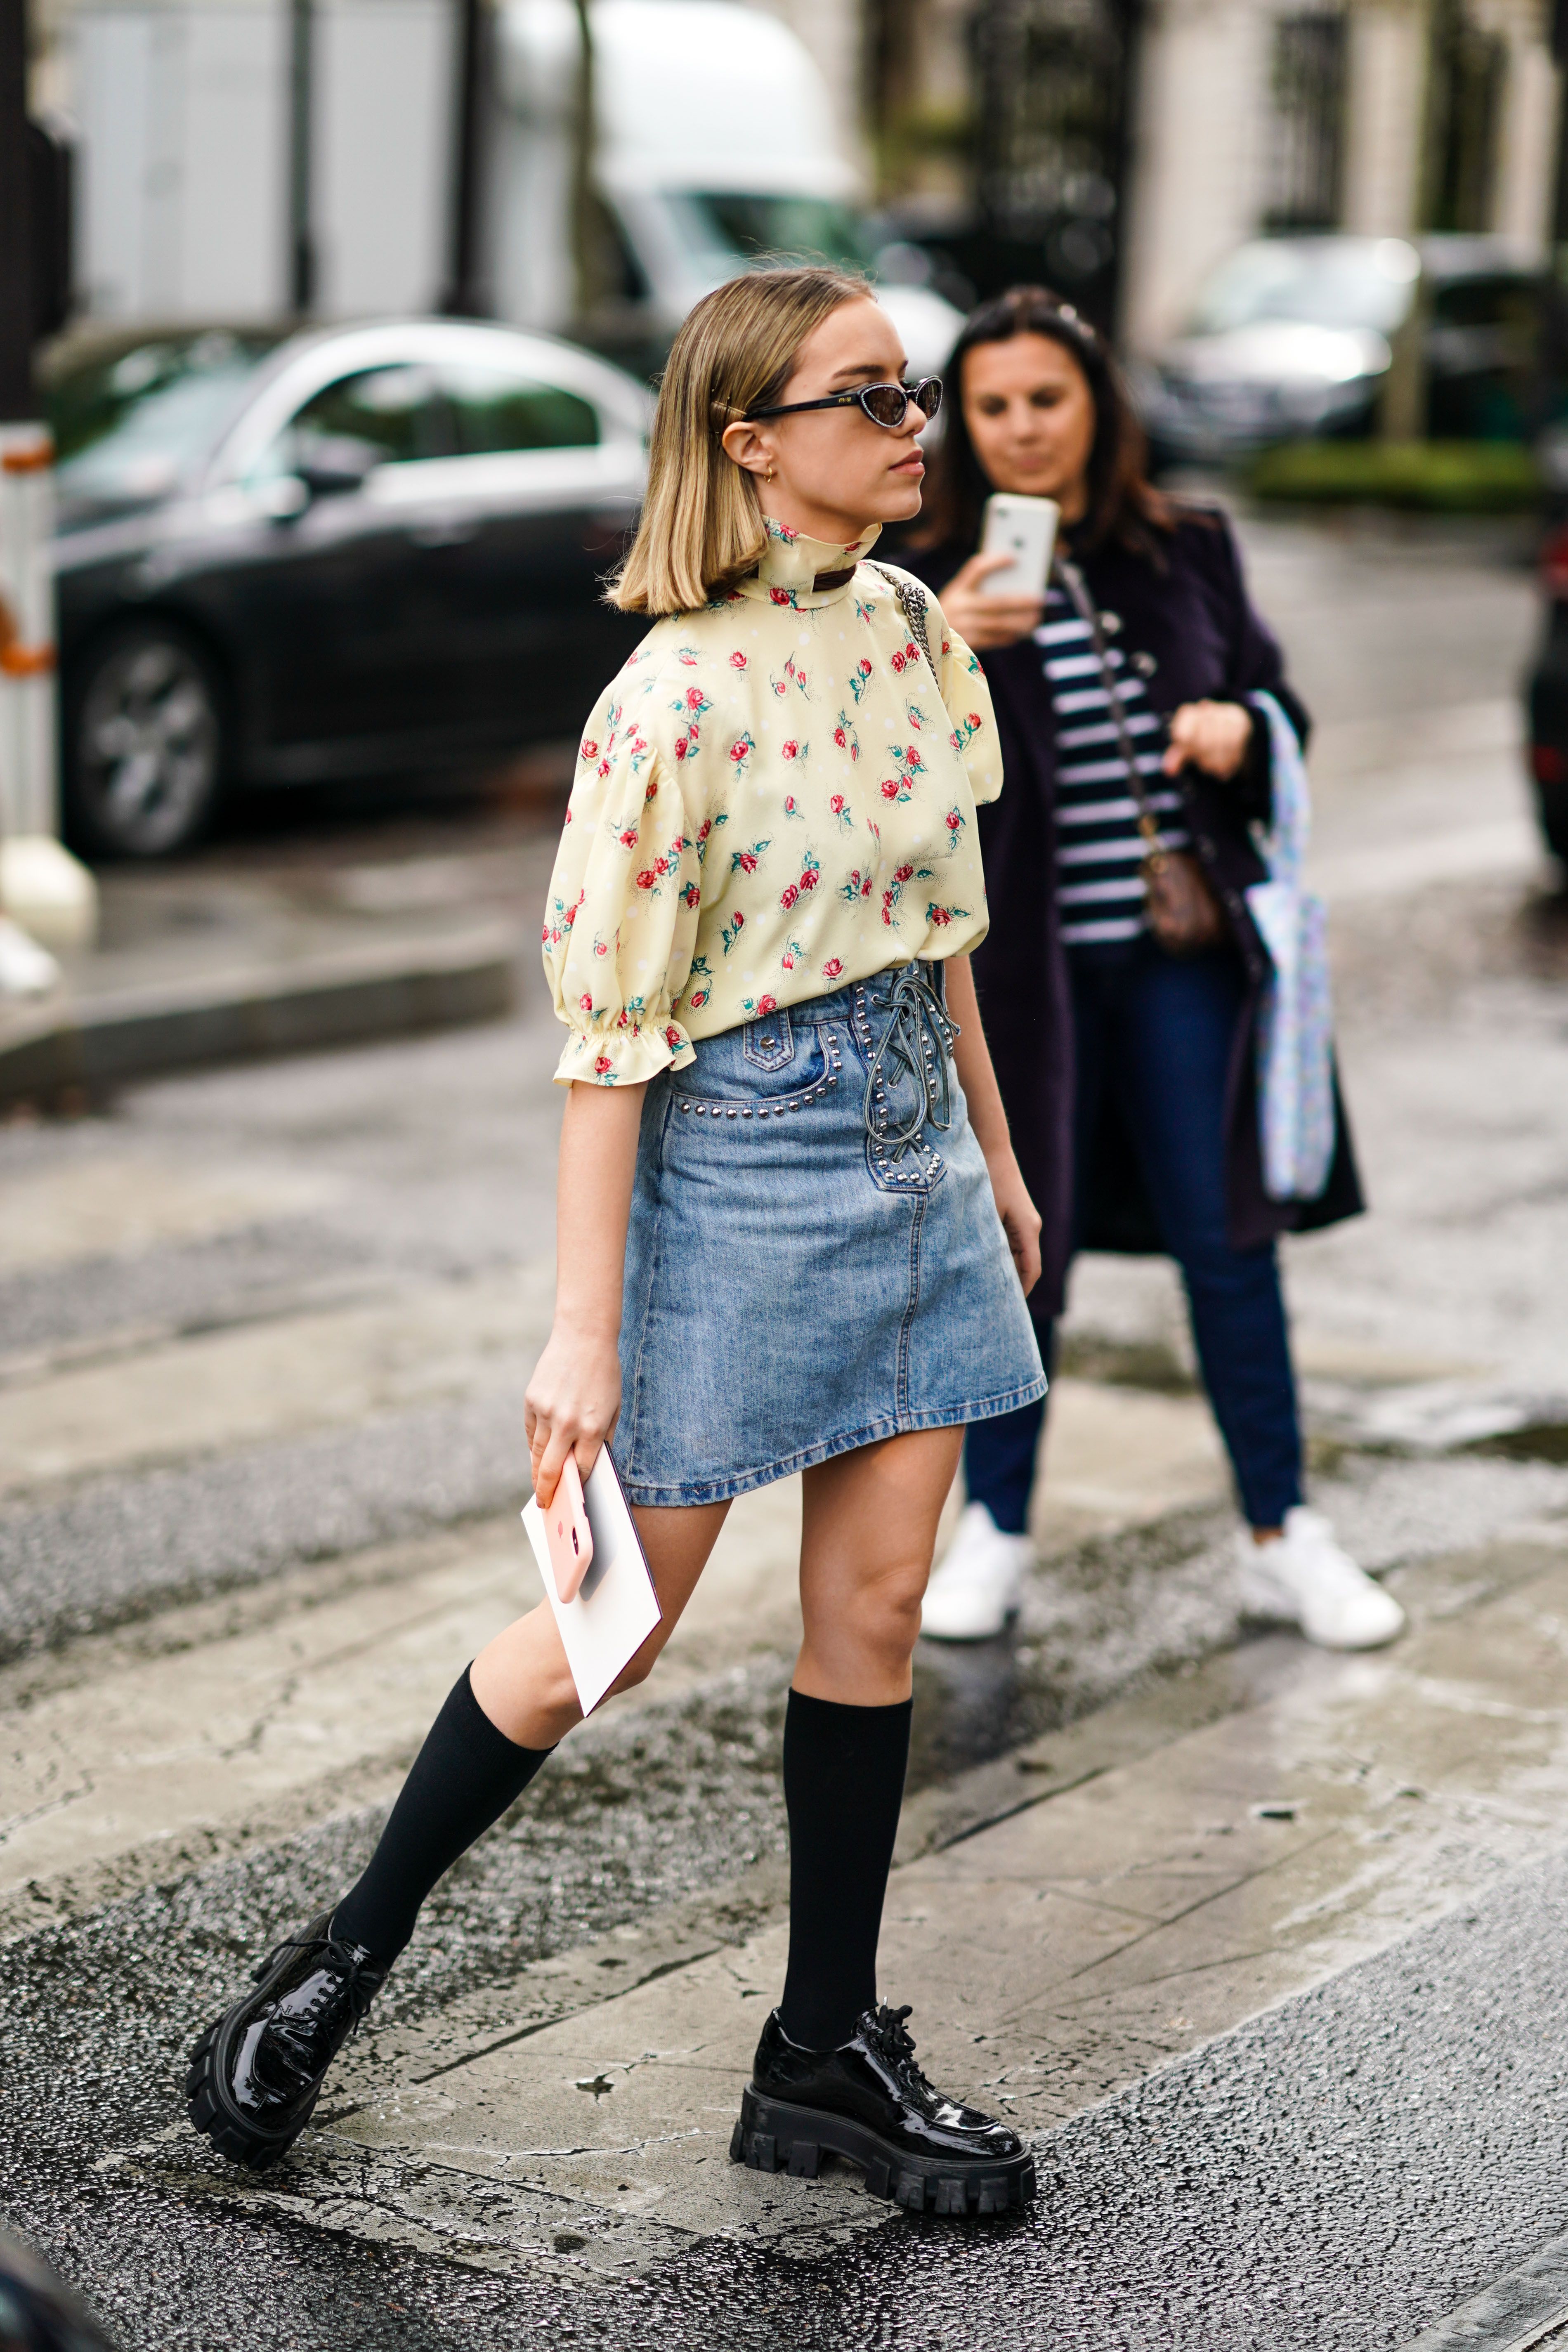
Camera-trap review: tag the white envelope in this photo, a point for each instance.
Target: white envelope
(615, 1608)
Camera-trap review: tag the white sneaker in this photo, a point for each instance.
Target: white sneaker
(1305, 1578)
(25, 967)
(979, 1584)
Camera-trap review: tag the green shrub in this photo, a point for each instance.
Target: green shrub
(1451, 477)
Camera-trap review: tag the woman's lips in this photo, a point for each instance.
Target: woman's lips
(914, 465)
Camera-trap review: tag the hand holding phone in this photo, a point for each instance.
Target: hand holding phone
(1025, 530)
(570, 1537)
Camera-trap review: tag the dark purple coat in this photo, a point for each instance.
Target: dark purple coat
(1193, 617)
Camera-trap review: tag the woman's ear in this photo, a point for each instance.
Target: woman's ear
(749, 448)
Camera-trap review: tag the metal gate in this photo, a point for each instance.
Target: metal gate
(1054, 79)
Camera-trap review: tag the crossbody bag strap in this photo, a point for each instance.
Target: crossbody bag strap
(1083, 603)
(914, 604)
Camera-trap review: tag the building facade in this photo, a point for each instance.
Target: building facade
(1132, 143)
(1117, 148)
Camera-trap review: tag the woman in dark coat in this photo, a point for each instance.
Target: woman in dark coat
(1127, 1073)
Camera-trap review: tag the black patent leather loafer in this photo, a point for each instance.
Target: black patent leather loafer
(255, 2075)
(871, 2103)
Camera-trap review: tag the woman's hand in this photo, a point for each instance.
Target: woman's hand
(570, 1406)
(985, 623)
(1213, 736)
(1020, 1218)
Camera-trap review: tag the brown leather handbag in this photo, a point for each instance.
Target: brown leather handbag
(1184, 916)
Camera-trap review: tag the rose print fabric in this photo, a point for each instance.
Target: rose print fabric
(772, 801)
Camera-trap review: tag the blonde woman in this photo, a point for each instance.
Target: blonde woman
(792, 1236)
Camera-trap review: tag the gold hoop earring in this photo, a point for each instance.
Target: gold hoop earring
(769, 474)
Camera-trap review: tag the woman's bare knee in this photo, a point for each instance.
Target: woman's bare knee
(893, 1627)
(638, 1671)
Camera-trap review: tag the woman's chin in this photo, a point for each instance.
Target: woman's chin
(1029, 486)
(901, 502)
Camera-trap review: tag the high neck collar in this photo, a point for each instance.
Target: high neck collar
(792, 564)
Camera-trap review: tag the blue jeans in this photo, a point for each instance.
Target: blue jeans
(1157, 1032)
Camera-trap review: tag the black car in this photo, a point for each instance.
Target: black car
(290, 558)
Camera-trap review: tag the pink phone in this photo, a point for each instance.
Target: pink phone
(566, 1526)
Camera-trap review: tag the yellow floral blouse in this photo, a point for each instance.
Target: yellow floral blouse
(771, 803)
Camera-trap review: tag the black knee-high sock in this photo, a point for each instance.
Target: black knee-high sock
(464, 1778)
(844, 1782)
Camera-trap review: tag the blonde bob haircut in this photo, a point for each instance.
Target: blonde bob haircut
(702, 526)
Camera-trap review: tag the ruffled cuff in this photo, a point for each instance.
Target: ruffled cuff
(623, 1058)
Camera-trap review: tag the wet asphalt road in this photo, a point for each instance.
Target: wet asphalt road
(1338, 2173)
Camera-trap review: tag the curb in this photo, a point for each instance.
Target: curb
(322, 1001)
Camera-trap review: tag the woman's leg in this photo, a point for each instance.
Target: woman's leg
(1171, 1064)
(870, 1521)
(999, 1463)
(828, 2076)
(505, 1714)
(256, 2075)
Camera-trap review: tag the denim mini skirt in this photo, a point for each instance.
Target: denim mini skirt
(815, 1261)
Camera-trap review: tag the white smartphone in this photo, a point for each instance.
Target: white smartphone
(1024, 529)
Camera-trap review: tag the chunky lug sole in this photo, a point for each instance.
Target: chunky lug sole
(212, 2112)
(772, 2136)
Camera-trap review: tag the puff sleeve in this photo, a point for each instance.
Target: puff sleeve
(621, 916)
(971, 718)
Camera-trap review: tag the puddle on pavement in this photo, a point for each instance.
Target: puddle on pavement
(975, 1700)
(1538, 1441)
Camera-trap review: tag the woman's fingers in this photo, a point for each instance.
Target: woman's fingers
(548, 1466)
(587, 1450)
(984, 621)
(1024, 1241)
(1183, 732)
(1209, 735)
(978, 568)
(987, 623)
(573, 1402)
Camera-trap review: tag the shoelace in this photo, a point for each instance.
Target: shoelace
(917, 1022)
(896, 2043)
(343, 1983)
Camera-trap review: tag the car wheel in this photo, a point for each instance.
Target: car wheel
(146, 724)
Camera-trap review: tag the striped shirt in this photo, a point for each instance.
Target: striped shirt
(1099, 891)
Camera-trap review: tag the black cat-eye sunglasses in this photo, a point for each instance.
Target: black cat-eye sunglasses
(886, 404)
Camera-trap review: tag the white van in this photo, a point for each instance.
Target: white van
(715, 142)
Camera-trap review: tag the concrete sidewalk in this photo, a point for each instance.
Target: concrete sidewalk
(247, 952)
(1121, 1891)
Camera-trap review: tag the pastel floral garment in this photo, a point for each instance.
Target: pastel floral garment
(770, 802)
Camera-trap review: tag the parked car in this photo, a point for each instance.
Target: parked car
(288, 558)
(1293, 337)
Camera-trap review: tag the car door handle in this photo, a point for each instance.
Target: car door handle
(447, 531)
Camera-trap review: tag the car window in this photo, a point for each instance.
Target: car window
(1327, 282)
(493, 412)
(394, 415)
(128, 424)
(1500, 301)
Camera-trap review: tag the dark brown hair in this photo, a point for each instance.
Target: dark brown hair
(1123, 504)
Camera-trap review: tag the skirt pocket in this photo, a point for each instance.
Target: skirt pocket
(765, 1070)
